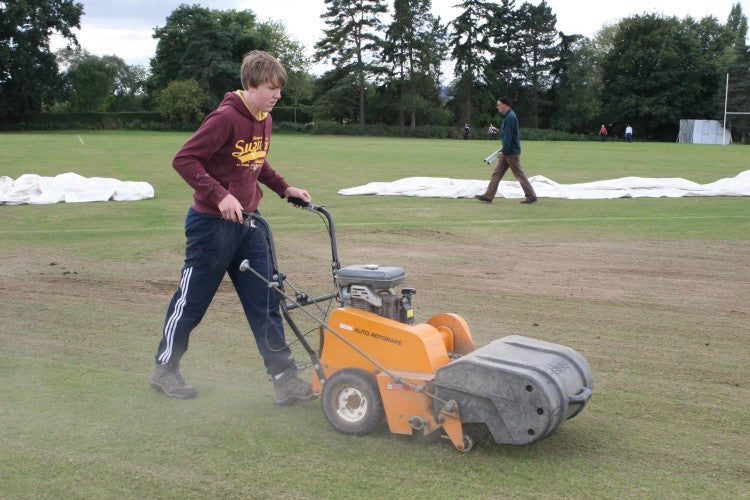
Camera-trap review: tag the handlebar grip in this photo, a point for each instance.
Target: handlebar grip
(299, 202)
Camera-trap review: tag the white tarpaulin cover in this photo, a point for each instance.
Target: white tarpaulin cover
(625, 187)
(71, 188)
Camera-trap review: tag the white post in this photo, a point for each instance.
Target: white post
(724, 128)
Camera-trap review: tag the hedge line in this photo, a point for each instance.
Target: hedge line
(93, 121)
(153, 121)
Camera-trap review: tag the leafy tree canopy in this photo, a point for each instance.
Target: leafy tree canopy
(29, 77)
(182, 101)
(207, 45)
(660, 70)
(352, 42)
(415, 46)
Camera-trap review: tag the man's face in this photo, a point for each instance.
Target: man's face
(265, 96)
(503, 108)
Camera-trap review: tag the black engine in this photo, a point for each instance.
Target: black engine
(372, 288)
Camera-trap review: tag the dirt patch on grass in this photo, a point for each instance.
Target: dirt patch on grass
(623, 303)
(450, 272)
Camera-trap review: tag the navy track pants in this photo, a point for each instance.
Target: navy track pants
(215, 246)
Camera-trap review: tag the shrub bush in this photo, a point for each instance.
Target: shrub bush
(146, 120)
(86, 121)
(425, 132)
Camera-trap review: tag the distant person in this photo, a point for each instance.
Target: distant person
(628, 133)
(492, 132)
(467, 131)
(224, 162)
(510, 155)
(603, 133)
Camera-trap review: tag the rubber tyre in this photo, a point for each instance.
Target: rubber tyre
(351, 402)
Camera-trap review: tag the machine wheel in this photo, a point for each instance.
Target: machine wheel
(468, 443)
(351, 402)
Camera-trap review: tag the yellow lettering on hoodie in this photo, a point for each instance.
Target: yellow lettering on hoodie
(251, 154)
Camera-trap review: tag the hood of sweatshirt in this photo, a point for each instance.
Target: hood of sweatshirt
(237, 101)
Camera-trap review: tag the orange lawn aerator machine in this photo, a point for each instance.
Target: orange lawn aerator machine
(429, 380)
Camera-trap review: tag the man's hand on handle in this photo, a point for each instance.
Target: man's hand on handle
(231, 209)
(293, 192)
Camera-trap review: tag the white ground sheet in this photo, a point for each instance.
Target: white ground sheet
(625, 187)
(71, 188)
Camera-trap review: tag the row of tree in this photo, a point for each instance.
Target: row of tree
(646, 70)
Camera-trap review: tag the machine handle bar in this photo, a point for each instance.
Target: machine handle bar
(308, 205)
(299, 202)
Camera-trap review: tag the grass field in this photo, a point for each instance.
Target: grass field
(655, 293)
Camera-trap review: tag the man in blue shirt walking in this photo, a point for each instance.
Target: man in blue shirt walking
(509, 157)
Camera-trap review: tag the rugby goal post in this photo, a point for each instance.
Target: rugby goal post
(726, 98)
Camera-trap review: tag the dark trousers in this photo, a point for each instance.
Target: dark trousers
(512, 162)
(214, 247)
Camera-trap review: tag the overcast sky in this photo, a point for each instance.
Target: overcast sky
(125, 27)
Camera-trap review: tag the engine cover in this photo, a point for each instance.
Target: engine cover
(372, 275)
(371, 288)
(523, 389)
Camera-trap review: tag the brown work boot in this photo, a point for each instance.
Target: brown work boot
(290, 389)
(483, 197)
(167, 379)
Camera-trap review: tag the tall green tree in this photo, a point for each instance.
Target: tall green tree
(470, 48)
(29, 77)
(207, 46)
(130, 86)
(415, 47)
(352, 42)
(105, 83)
(575, 95)
(204, 45)
(539, 55)
(656, 73)
(501, 73)
(715, 46)
(738, 98)
(92, 81)
(182, 101)
(336, 96)
(299, 88)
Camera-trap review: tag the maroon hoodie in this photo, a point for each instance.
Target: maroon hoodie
(227, 154)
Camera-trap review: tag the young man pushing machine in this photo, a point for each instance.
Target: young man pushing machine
(224, 162)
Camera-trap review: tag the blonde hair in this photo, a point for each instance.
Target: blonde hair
(259, 67)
